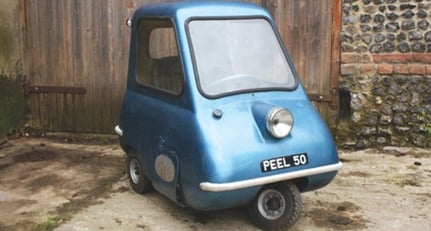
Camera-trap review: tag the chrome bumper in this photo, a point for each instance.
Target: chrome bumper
(219, 187)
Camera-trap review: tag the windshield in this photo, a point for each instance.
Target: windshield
(238, 55)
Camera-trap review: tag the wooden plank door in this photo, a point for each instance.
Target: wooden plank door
(310, 29)
(76, 57)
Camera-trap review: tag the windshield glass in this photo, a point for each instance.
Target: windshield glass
(238, 55)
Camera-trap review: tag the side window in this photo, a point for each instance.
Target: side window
(158, 64)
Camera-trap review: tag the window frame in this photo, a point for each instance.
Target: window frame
(144, 50)
(280, 41)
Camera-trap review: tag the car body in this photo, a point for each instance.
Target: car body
(214, 111)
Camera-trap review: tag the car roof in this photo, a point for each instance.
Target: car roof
(194, 8)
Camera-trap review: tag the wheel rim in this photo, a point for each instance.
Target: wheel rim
(271, 204)
(135, 171)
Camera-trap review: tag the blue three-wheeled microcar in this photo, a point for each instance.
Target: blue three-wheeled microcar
(214, 115)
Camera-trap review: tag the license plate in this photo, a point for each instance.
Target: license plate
(284, 162)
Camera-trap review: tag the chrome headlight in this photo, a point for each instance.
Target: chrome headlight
(279, 122)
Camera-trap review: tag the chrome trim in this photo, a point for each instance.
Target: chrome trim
(219, 187)
(118, 130)
(270, 120)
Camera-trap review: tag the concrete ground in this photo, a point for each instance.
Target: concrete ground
(66, 184)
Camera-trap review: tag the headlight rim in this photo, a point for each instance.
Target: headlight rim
(271, 114)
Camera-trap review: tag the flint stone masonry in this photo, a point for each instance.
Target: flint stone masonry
(405, 20)
(386, 68)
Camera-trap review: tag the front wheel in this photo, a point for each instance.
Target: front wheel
(138, 181)
(276, 207)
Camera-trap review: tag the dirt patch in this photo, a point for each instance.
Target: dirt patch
(384, 189)
(337, 216)
(44, 183)
(35, 155)
(61, 185)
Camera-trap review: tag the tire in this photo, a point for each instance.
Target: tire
(276, 206)
(138, 181)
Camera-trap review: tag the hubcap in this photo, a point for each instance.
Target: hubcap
(134, 170)
(271, 204)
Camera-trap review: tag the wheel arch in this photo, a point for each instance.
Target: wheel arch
(301, 183)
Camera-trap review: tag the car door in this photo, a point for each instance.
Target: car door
(158, 106)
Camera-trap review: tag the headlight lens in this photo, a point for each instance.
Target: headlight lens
(279, 122)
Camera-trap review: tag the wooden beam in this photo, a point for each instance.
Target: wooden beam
(335, 54)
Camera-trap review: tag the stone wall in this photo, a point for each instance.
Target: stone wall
(385, 73)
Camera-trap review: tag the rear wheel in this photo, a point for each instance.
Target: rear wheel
(276, 207)
(138, 181)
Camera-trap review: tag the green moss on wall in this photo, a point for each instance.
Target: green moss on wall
(4, 45)
(12, 104)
